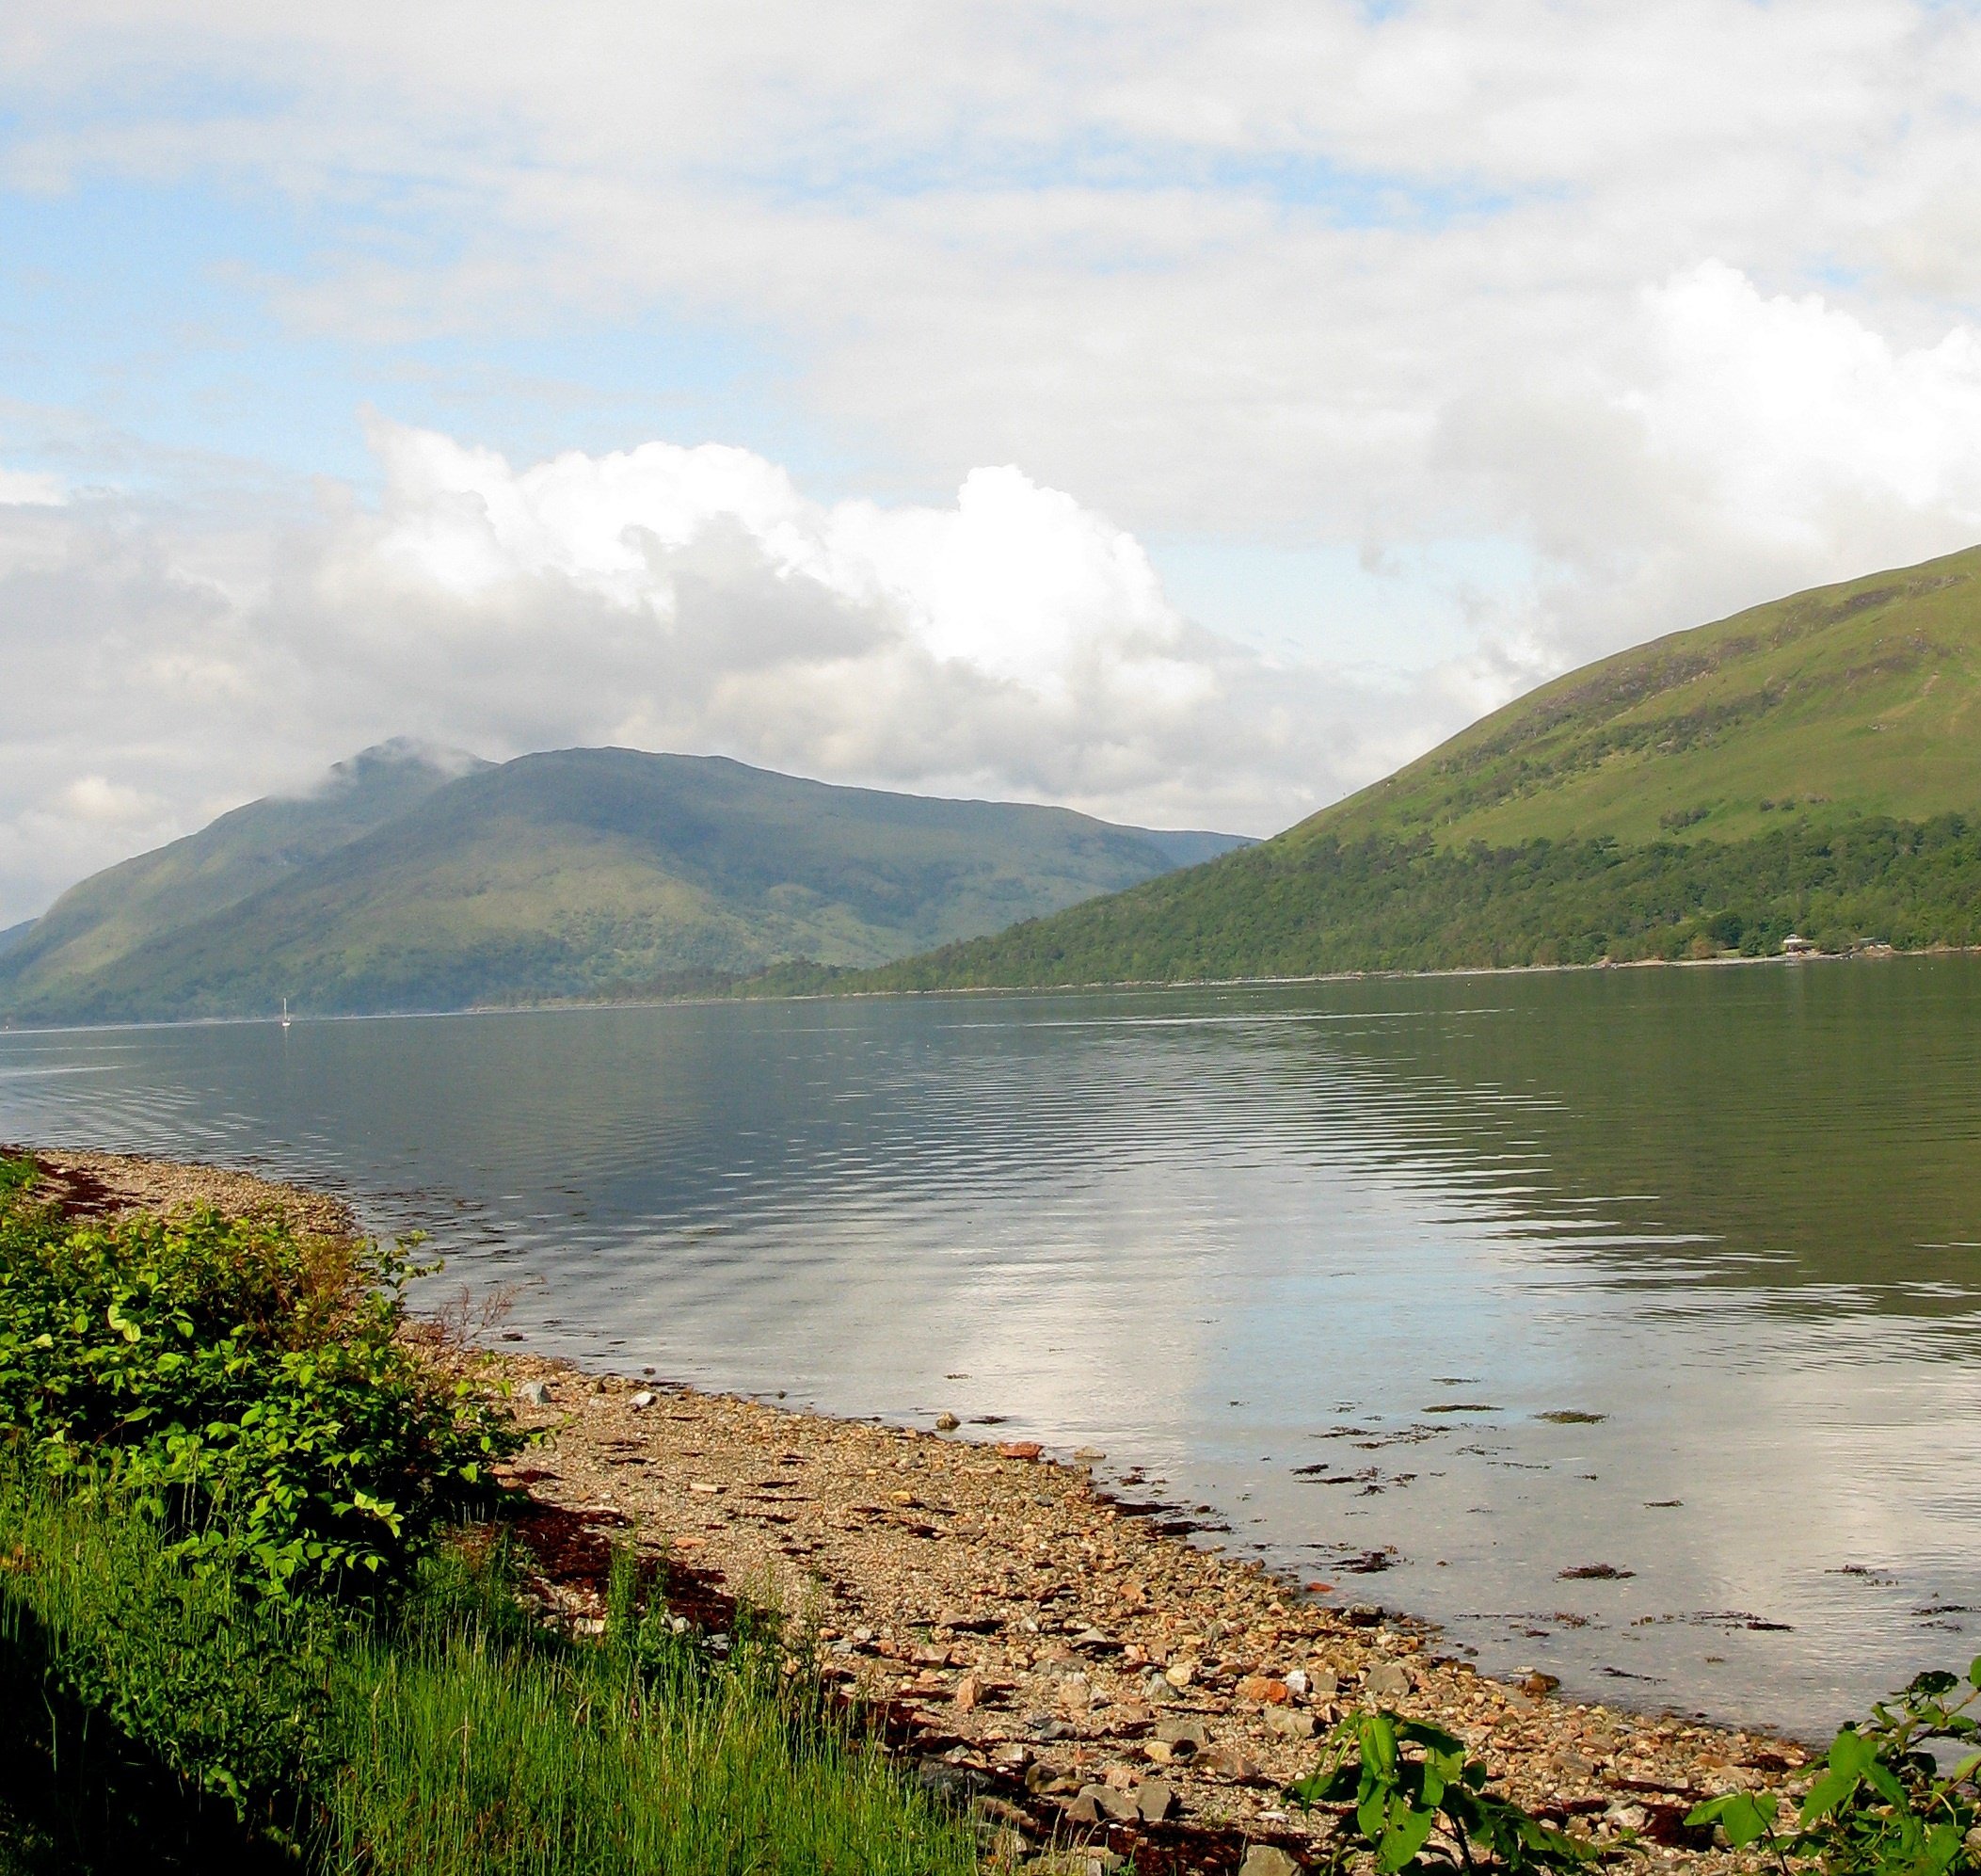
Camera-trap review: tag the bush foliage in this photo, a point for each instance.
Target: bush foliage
(239, 1620)
(1402, 1782)
(1885, 1806)
(243, 1383)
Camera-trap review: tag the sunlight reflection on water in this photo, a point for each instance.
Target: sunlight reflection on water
(1323, 1258)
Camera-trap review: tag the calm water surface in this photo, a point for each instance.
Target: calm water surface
(1482, 1280)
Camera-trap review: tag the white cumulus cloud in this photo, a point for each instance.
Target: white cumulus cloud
(1791, 416)
(1014, 582)
(30, 489)
(1725, 445)
(1011, 643)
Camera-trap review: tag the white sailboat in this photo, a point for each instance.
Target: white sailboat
(285, 1012)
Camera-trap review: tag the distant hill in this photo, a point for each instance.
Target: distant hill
(1811, 764)
(417, 879)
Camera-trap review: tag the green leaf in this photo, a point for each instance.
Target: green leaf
(1442, 1770)
(1326, 1786)
(1422, 1733)
(1826, 1793)
(1405, 1832)
(1379, 1743)
(1744, 1818)
(1852, 1753)
(1888, 1787)
(1941, 1850)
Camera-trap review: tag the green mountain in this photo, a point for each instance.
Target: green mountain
(1810, 766)
(419, 881)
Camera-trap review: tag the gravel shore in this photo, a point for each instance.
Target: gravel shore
(107, 1182)
(1042, 1645)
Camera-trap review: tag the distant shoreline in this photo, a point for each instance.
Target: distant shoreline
(1871, 953)
(1866, 953)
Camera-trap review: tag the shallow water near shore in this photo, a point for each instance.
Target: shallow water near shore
(1626, 1322)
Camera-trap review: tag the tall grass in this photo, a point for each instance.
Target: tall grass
(454, 1733)
(147, 1709)
(466, 1749)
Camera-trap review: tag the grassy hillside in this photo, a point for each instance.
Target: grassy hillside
(580, 872)
(1863, 697)
(1813, 764)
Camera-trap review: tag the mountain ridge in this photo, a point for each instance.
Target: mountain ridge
(1840, 658)
(418, 879)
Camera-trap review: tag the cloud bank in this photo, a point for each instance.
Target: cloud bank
(1725, 446)
(1012, 644)
(1729, 446)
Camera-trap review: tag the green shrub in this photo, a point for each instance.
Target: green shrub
(209, 1433)
(1884, 1807)
(245, 1383)
(1401, 1782)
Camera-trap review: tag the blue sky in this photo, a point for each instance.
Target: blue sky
(139, 340)
(142, 312)
(140, 343)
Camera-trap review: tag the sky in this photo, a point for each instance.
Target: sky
(1186, 413)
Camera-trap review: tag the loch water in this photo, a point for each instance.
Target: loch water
(1626, 1322)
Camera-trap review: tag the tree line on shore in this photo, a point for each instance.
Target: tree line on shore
(1385, 902)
